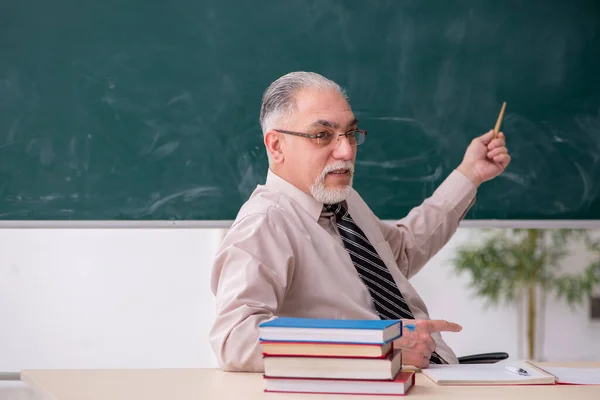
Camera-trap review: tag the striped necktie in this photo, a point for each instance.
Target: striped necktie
(386, 296)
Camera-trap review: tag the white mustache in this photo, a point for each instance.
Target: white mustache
(338, 165)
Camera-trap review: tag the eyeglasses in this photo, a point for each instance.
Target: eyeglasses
(324, 138)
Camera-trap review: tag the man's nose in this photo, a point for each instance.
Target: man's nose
(343, 150)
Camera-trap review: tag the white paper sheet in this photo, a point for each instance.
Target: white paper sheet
(484, 373)
(580, 376)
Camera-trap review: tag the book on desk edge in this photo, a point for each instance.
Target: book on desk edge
(399, 385)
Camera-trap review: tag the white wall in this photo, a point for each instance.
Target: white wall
(105, 298)
(108, 298)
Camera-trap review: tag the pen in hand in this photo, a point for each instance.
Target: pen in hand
(499, 121)
(516, 370)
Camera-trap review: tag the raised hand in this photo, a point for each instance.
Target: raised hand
(485, 158)
(417, 345)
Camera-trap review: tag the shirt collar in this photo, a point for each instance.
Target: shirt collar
(308, 203)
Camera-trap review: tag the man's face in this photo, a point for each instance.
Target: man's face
(322, 170)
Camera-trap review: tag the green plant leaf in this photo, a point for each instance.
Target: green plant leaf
(506, 260)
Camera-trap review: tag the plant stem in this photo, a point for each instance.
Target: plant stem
(520, 319)
(531, 321)
(531, 311)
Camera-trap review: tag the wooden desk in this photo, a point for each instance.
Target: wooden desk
(200, 384)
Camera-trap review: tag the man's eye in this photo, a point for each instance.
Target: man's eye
(322, 135)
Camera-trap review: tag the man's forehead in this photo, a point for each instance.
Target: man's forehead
(324, 108)
(334, 124)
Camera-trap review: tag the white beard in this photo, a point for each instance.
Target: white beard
(330, 196)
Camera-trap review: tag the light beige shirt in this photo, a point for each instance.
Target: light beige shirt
(283, 256)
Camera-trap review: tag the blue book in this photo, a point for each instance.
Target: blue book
(291, 329)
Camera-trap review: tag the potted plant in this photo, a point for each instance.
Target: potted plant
(513, 265)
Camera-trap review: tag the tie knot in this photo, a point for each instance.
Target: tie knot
(337, 209)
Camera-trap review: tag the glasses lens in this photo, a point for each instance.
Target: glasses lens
(352, 137)
(356, 137)
(324, 138)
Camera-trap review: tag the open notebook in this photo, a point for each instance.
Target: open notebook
(487, 374)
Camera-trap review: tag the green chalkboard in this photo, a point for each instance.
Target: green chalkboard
(148, 110)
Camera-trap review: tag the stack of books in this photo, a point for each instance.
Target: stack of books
(333, 356)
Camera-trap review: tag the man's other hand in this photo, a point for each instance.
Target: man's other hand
(485, 158)
(417, 345)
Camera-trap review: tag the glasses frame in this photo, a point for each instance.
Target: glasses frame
(319, 136)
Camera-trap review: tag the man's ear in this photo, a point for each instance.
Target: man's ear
(275, 143)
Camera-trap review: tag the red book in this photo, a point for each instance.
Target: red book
(399, 386)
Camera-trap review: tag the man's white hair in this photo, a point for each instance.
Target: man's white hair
(278, 99)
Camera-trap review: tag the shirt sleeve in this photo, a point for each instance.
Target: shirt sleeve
(427, 228)
(250, 276)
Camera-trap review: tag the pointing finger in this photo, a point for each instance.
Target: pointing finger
(440, 325)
